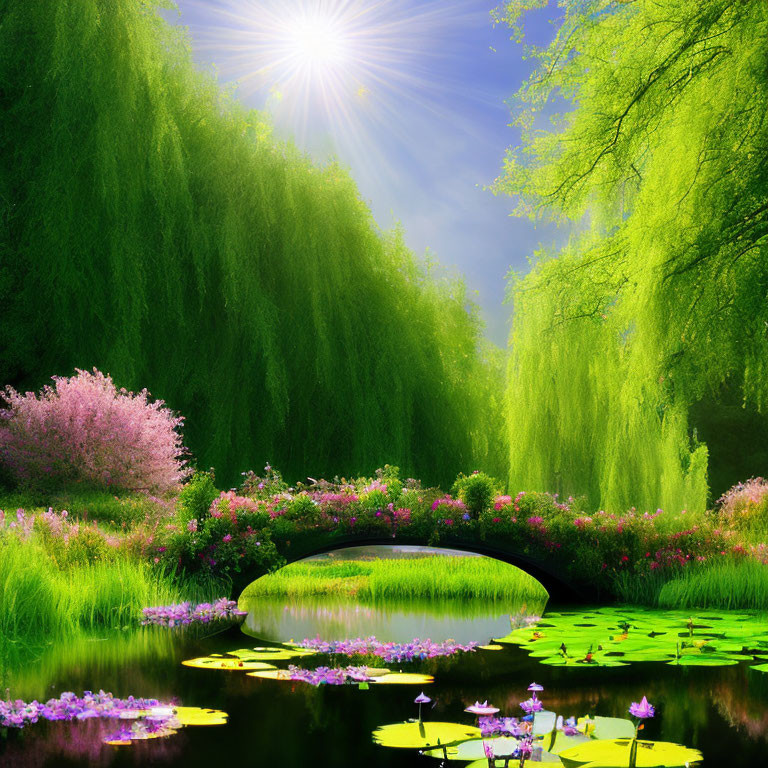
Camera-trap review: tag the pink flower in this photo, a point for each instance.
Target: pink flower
(227, 538)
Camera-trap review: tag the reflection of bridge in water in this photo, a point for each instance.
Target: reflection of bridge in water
(559, 587)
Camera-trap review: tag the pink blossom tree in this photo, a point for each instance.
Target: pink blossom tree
(85, 431)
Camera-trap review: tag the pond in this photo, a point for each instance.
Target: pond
(720, 710)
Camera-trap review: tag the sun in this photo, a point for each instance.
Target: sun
(319, 43)
(331, 73)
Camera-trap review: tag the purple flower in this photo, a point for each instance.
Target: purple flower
(535, 687)
(642, 710)
(227, 538)
(422, 699)
(488, 749)
(532, 705)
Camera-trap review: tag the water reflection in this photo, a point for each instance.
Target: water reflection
(281, 619)
(721, 711)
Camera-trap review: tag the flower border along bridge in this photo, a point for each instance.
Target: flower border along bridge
(555, 580)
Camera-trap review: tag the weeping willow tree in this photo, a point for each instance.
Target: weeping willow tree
(154, 228)
(661, 156)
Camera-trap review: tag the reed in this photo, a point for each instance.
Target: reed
(736, 585)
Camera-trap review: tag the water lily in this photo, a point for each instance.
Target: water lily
(568, 727)
(482, 709)
(643, 710)
(422, 698)
(532, 705)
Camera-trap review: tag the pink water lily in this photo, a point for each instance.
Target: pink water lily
(482, 709)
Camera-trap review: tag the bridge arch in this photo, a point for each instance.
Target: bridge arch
(560, 589)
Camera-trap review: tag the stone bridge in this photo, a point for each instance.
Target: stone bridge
(561, 590)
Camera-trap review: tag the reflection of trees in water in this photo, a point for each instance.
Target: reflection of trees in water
(84, 658)
(744, 708)
(390, 619)
(60, 743)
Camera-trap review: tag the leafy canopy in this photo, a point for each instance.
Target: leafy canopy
(660, 299)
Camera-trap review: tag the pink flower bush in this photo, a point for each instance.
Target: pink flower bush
(84, 431)
(746, 504)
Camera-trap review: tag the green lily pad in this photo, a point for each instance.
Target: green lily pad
(703, 661)
(271, 654)
(474, 749)
(557, 742)
(613, 728)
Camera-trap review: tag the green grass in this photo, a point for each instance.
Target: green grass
(731, 585)
(407, 578)
(88, 504)
(40, 601)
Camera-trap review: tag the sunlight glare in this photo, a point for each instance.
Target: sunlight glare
(319, 42)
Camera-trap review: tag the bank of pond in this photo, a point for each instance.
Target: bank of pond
(371, 681)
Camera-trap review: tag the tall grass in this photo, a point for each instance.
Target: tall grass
(39, 601)
(730, 585)
(408, 578)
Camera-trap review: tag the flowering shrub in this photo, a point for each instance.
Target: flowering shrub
(84, 431)
(196, 496)
(477, 491)
(746, 505)
(245, 533)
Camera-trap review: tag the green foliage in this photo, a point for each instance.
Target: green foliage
(196, 496)
(660, 301)
(123, 509)
(40, 596)
(477, 491)
(174, 243)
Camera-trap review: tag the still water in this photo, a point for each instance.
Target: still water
(720, 710)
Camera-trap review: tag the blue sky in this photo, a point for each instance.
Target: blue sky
(407, 94)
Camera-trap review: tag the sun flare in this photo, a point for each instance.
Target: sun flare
(319, 43)
(333, 72)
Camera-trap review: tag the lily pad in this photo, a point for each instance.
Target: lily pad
(613, 728)
(272, 674)
(474, 749)
(709, 660)
(229, 664)
(609, 753)
(404, 678)
(561, 742)
(271, 654)
(422, 735)
(200, 716)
